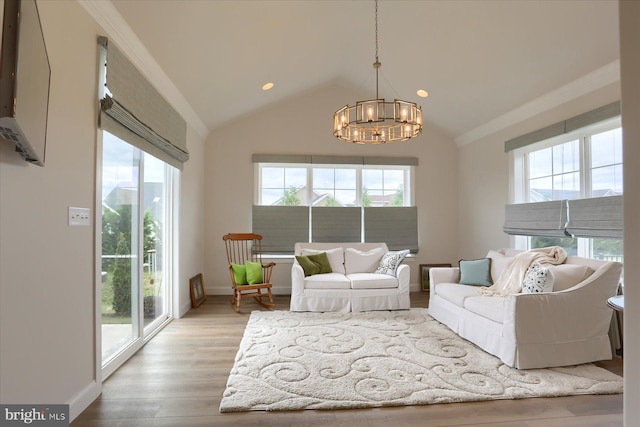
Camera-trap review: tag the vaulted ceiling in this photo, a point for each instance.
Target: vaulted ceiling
(479, 60)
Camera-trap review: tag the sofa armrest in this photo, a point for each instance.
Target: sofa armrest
(443, 275)
(297, 279)
(403, 274)
(574, 314)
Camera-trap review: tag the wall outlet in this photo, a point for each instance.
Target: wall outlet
(79, 216)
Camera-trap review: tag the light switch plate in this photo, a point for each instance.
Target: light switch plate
(79, 216)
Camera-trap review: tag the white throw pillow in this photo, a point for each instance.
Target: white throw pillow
(499, 262)
(536, 280)
(336, 258)
(356, 261)
(391, 261)
(565, 276)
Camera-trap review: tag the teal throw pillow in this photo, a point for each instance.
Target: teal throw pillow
(475, 272)
(254, 272)
(239, 274)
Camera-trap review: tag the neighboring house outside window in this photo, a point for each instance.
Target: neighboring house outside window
(586, 163)
(330, 185)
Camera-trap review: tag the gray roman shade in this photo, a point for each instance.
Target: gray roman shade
(333, 160)
(336, 224)
(281, 227)
(566, 126)
(396, 226)
(596, 217)
(134, 110)
(547, 219)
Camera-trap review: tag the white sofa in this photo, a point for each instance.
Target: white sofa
(352, 285)
(566, 326)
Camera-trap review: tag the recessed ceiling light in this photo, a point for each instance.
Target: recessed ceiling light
(422, 93)
(267, 86)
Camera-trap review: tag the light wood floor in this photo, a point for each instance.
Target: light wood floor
(178, 379)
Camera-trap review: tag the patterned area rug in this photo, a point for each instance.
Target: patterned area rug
(292, 361)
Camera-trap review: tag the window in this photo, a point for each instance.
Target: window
(334, 199)
(141, 148)
(283, 186)
(331, 185)
(586, 163)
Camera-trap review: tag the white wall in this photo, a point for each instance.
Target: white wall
(191, 221)
(484, 175)
(47, 268)
(302, 125)
(47, 289)
(630, 69)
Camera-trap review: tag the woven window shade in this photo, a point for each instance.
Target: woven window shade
(336, 224)
(596, 217)
(547, 219)
(281, 227)
(135, 111)
(396, 226)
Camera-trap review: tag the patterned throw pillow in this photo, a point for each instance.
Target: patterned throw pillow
(390, 262)
(536, 280)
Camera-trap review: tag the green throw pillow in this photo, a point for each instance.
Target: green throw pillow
(314, 264)
(254, 272)
(239, 274)
(307, 265)
(323, 261)
(475, 272)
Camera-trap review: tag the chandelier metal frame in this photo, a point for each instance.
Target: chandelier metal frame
(377, 121)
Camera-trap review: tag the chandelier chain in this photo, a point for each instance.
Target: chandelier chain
(376, 30)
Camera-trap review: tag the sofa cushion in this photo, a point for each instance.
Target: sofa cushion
(372, 281)
(499, 262)
(565, 276)
(475, 272)
(336, 258)
(356, 261)
(490, 307)
(537, 280)
(455, 293)
(391, 261)
(327, 281)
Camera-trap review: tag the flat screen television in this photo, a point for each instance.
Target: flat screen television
(25, 76)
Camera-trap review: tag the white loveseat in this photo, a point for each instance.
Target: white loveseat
(566, 326)
(352, 285)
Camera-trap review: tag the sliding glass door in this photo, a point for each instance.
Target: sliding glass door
(156, 219)
(136, 195)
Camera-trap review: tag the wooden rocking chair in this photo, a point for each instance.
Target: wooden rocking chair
(243, 247)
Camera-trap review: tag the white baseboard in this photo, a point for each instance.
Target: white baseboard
(185, 307)
(82, 400)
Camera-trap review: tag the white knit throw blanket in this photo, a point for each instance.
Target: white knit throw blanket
(510, 281)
